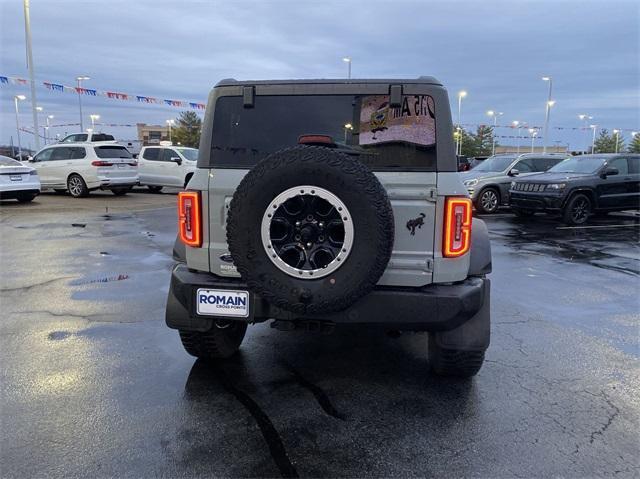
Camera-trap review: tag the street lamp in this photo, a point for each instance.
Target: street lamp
(15, 99)
(170, 123)
(586, 118)
(617, 133)
(347, 128)
(533, 132)
(461, 95)
(80, 79)
(593, 138)
(495, 115)
(39, 109)
(347, 60)
(93, 120)
(517, 125)
(547, 113)
(46, 139)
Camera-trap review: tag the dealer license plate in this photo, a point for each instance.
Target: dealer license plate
(216, 302)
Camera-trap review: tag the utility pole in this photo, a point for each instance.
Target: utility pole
(34, 101)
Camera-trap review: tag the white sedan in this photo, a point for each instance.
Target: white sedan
(18, 181)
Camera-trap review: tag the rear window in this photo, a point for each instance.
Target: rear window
(385, 138)
(112, 152)
(102, 137)
(9, 162)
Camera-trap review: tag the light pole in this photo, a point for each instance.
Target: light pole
(39, 109)
(170, 123)
(347, 60)
(585, 118)
(34, 101)
(93, 120)
(617, 133)
(15, 100)
(533, 132)
(517, 126)
(593, 138)
(495, 115)
(46, 138)
(347, 128)
(461, 95)
(547, 113)
(80, 79)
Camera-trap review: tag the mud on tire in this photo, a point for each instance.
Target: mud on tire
(343, 176)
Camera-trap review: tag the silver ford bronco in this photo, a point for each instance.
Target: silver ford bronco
(320, 203)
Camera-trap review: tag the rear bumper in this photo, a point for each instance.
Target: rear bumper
(451, 310)
(106, 183)
(535, 202)
(14, 193)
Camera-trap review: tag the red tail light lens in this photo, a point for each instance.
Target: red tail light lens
(189, 218)
(101, 163)
(457, 227)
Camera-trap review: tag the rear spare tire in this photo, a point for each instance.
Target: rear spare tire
(310, 229)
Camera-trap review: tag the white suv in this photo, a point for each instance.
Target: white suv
(166, 166)
(81, 167)
(88, 138)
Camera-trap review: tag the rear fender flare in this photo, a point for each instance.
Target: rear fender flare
(480, 261)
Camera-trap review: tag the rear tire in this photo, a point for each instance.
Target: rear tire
(77, 186)
(578, 210)
(489, 201)
(154, 189)
(453, 362)
(25, 198)
(218, 343)
(120, 191)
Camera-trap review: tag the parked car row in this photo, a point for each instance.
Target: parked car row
(573, 188)
(84, 162)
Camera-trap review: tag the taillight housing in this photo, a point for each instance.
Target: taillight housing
(101, 163)
(190, 218)
(456, 237)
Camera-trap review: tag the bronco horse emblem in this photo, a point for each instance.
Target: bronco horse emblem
(415, 223)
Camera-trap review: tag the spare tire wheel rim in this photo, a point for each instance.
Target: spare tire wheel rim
(307, 232)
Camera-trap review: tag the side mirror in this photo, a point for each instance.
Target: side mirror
(513, 172)
(176, 159)
(609, 171)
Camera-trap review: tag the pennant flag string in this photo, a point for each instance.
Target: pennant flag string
(59, 87)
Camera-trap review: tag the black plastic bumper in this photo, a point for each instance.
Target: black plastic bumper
(535, 202)
(460, 312)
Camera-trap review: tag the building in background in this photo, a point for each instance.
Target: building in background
(152, 134)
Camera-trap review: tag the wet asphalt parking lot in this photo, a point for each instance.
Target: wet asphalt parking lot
(95, 385)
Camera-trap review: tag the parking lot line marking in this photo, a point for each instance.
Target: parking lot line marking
(597, 226)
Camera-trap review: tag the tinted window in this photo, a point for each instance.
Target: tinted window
(112, 151)
(382, 137)
(495, 163)
(543, 164)
(102, 137)
(579, 164)
(634, 165)
(189, 153)
(76, 152)
(9, 162)
(44, 155)
(151, 154)
(61, 153)
(525, 166)
(621, 165)
(168, 153)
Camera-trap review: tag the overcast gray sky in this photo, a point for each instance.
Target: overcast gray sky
(496, 50)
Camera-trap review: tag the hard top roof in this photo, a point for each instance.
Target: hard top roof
(338, 81)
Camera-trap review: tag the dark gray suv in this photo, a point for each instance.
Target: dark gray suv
(488, 183)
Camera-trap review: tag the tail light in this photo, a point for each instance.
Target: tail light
(457, 227)
(189, 218)
(101, 163)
